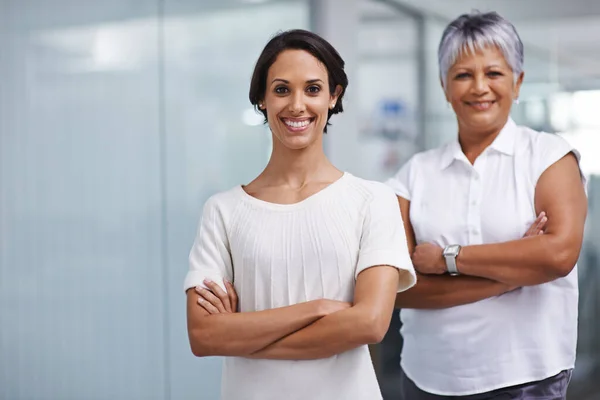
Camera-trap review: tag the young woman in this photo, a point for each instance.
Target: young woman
(315, 255)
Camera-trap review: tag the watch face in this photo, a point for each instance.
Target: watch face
(452, 250)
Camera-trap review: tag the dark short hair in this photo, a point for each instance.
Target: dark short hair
(299, 39)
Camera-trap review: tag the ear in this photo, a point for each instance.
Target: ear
(336, 94)
(518, 84)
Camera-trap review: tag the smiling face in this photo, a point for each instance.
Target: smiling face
(297, 99)
(481, 88)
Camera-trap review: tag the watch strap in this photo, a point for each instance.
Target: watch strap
(451, 265)
(450, 253)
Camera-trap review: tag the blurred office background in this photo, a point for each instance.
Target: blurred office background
(118, 118)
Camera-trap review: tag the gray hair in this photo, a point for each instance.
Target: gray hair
(475, 31)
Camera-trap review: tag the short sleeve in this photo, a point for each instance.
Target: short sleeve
(549, 149)
(383, 241)
(210, 256)
(400, 182)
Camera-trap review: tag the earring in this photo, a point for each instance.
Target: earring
(261, 106)
(516, 101)
(332, 106)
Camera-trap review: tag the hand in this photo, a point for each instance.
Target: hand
(215, 300)
(537, 228)
(428, 258)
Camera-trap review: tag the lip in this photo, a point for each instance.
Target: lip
(300, 122)
(481, 105)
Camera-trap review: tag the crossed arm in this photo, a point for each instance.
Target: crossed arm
(311, 330)
(442, 291)
(546, 257)
(493, 269)
(241, 334)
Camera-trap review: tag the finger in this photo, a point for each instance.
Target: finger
(233, 298)
(207, 306)
(216, 289)
(531, 232)
(539, 227)
(539, 217)
(533, 228)
(207, 295)
(542, 222)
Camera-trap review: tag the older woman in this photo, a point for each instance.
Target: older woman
(494, 314)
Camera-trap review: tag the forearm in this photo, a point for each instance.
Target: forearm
(527, 261)
(240, 334)
(331, 335)
(444, 291)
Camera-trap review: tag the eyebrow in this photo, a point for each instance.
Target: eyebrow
(486, 67)
(287, 82)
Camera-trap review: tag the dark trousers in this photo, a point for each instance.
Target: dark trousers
(553, 388)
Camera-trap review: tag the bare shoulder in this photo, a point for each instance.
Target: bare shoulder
(255, 186)
(563, 173)
(561, 189)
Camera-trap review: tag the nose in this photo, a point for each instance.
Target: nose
(297, 105)
(480, 84)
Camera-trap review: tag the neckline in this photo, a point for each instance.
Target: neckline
(503, 143)
(291, 206)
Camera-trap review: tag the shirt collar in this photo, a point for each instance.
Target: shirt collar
(504, 143)
(451, 152)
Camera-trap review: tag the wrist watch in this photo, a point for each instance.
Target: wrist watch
(450, 253)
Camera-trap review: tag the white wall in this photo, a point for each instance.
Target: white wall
(116, 123)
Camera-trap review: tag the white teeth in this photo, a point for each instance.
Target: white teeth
(297, 124)
(482, 105)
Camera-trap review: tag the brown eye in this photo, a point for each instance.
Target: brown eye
(313, 89)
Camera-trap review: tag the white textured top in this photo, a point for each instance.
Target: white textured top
(522, 336)
(278, 255)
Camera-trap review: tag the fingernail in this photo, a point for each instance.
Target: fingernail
(207, 281)
(544, 219)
